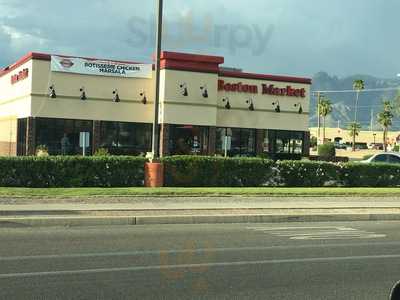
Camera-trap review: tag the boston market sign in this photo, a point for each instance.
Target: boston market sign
(266, 89)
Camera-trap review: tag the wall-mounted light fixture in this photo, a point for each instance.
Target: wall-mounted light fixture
(184, 89)
(251, 104)
(83, 93)
(227, 105)
(116, 96)
(300, 107)
(52, 92)
(204, 91)
(277, 106)
(144, 98)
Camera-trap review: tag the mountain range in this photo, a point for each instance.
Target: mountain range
(339, 92)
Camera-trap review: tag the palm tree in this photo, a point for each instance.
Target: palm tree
(358, 86)
(354, 129)
(385, 118)
(325, 108)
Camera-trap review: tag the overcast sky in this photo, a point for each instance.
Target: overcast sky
(297, 37)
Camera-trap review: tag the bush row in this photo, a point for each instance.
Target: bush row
(191, 171)
(200, 171)
(186, 171)
(64, 171)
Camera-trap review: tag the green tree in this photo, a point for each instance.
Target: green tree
(385, 118)
(325, 108)
(313, 141)
(354, 129)
(358, 86)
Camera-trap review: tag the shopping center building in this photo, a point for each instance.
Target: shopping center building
(205, 109)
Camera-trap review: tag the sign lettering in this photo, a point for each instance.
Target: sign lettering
(20, 76)
(266, 89)
(100, 67)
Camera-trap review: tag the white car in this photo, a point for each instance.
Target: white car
(384, 157)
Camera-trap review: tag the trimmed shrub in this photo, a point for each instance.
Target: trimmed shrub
(101, 152)
(307, 174)
(313, 142)
(191, 171)
(370, 175)
(71, 171)
(327, 151)
(202, 171)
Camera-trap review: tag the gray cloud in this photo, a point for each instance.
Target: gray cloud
(276, 36)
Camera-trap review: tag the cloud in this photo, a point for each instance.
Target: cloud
(276, 36)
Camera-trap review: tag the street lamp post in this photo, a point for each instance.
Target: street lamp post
(156, 136)
(154, 170)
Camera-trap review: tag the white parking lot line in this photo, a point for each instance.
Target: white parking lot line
(317, 232)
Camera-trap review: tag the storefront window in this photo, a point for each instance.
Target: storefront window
(21, 136)
(290, 142)
(61, 136)
(121, 138)
(236, 142)
(296, 142)
(282, 145)
(188, 140)
(265, 142)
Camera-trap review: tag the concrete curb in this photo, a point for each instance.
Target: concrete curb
(195, 211)
(65, 221)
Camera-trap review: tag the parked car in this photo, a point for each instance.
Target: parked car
(361, 146)
(385, 157)
(377, 146)
(340, 146)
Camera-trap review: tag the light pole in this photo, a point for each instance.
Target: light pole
(156, 136)
(318, 116)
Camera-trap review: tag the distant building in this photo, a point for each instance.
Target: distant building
(342, 135)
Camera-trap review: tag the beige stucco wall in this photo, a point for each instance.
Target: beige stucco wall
(193, 109)
(99, 105)
(174, 108)
(8, 136)
(15, 98)
(197, 110)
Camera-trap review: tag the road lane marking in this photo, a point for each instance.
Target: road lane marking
(200, 265)
(200, 250)
(317, 232)
(263, 228)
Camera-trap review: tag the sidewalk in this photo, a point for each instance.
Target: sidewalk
(188, 210)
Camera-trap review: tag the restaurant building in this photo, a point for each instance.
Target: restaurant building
(205, 109)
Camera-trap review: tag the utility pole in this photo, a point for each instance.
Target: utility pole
(372, 120)
(156, 135)
(318, 114)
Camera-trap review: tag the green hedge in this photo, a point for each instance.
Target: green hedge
(191, 171)
(327, 150)
(370, 175)
(201, 171)
(307, 174)
(64, 171)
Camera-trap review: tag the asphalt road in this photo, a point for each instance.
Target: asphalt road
(355, 260)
